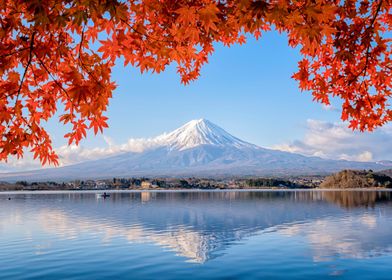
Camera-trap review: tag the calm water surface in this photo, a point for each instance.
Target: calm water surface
(195, 235)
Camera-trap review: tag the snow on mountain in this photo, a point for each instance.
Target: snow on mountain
(200, 132)
(198, 148)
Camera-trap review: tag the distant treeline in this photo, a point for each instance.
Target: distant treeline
(270, 182)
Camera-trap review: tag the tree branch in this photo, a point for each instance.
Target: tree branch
(364, 69)
(82, 64)
(27, 66)
(50, 74)
(14, 52)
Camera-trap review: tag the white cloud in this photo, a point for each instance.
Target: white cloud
(322, 139)
(336, 141)
(74, 154)
(331, 239)
(329, 108)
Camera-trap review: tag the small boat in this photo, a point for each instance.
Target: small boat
(104, 195)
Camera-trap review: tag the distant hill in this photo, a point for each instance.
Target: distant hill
(198, 148)
(352, 179)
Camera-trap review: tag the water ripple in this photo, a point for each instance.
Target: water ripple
(296, 235)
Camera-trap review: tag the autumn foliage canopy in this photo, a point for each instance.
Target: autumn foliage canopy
(57, 55)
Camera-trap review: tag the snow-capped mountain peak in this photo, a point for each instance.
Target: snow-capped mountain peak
(198, 148)
(200, 132)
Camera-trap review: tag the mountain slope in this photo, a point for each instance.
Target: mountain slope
(198, 148)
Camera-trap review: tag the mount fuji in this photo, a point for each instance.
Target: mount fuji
(198, 148)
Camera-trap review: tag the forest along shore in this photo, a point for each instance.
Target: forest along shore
(167, 183)
(346, 179)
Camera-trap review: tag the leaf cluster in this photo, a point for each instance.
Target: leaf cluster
(57, 55)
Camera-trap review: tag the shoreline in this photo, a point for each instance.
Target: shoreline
(191, 190)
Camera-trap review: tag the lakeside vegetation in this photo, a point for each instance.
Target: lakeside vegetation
(165, 184)
(346, 179)
(354, 179)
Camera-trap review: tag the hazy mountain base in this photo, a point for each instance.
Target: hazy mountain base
(197, 149)
(205, 160)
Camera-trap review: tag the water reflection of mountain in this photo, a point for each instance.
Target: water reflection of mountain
(202, 225)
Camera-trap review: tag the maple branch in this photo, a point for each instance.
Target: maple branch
(368, 95)
(4, 95)
(90, 74)
(50, 74)
(22, 80)
(25, 70)
(364, 69)
(56, 82)
(82, 64)
(81, 41)
(27, 66)
(23, 77)
(376, 14)
(14, 52)
(140, 33)
(147, 36)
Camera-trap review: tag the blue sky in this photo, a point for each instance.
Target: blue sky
(245, 89)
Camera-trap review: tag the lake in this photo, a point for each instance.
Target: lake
(196, 235)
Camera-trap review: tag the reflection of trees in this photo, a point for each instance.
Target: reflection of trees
(207, 196)
(343, 198)
(352, 199)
